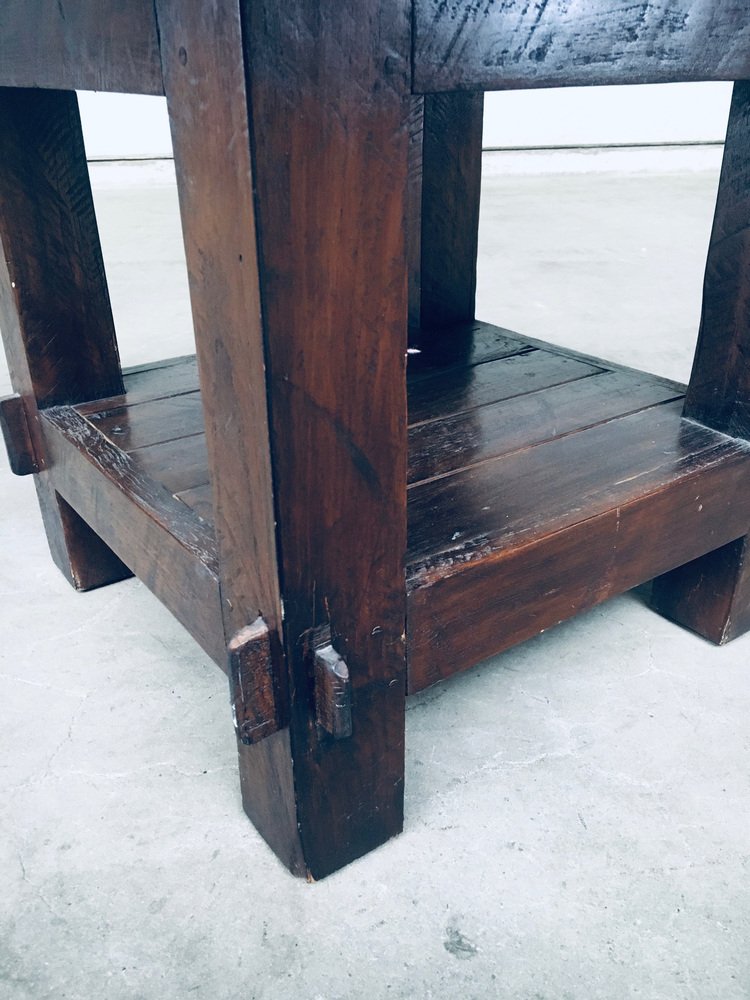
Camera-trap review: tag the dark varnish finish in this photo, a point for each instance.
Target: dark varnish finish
(711, 596)
(502, 44)
(73, 45)
(437, 447)
(209, 118)
(54, 305)
(542, 489)
(446, 393)
(460, 618)
(502, 551)
(330, 108)
(445, 176)
(463, 346)
(178, 464)
(328, 164)
(51, 248)
(170, 549)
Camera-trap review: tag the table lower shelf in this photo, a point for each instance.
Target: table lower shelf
(541, 482)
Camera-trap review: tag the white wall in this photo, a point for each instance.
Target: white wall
(124, 126)
(583, 116)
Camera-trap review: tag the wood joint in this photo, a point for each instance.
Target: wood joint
(19, 443)
(333, 690)
(251, 678)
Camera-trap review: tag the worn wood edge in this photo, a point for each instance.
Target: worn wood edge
(255, 704)
(84, 466)
(522, 46)
(149, 495)
(207, 94)
(428, 662)
(434, 82)
(448, 217)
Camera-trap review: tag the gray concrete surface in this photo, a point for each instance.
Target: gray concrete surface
(577, 810)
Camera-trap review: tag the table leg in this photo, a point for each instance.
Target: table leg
(711, 595)
(308, 327)
(54, 306)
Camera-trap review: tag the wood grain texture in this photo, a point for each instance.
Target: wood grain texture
(147, 383)
(719, 390)
(152, 422)
(414, 211)
(543, 489)
(170, 549)
(54, 305)
(254, 701)
(70, 45)
(438, 447)
(19, 443)
(205, 87)
(451, 179)
(711, 596)
(504, 44)
(330, 138)
(446, 393)
(179, 465)
(491, 596)
(51, 249)
(209, 119)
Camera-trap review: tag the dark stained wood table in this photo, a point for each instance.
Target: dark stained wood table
(338, 527)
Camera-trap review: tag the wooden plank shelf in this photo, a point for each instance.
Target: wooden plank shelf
(519, 454)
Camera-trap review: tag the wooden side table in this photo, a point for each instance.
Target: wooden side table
(337, 531)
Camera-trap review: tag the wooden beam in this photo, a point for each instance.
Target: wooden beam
(506, 45)
(107, 45)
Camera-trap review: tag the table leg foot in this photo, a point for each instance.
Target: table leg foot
(78, 552)
(710, 595)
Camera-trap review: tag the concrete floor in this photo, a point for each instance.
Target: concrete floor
(577, 810)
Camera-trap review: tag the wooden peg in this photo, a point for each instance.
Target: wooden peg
(17, 434)
(251, 682)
